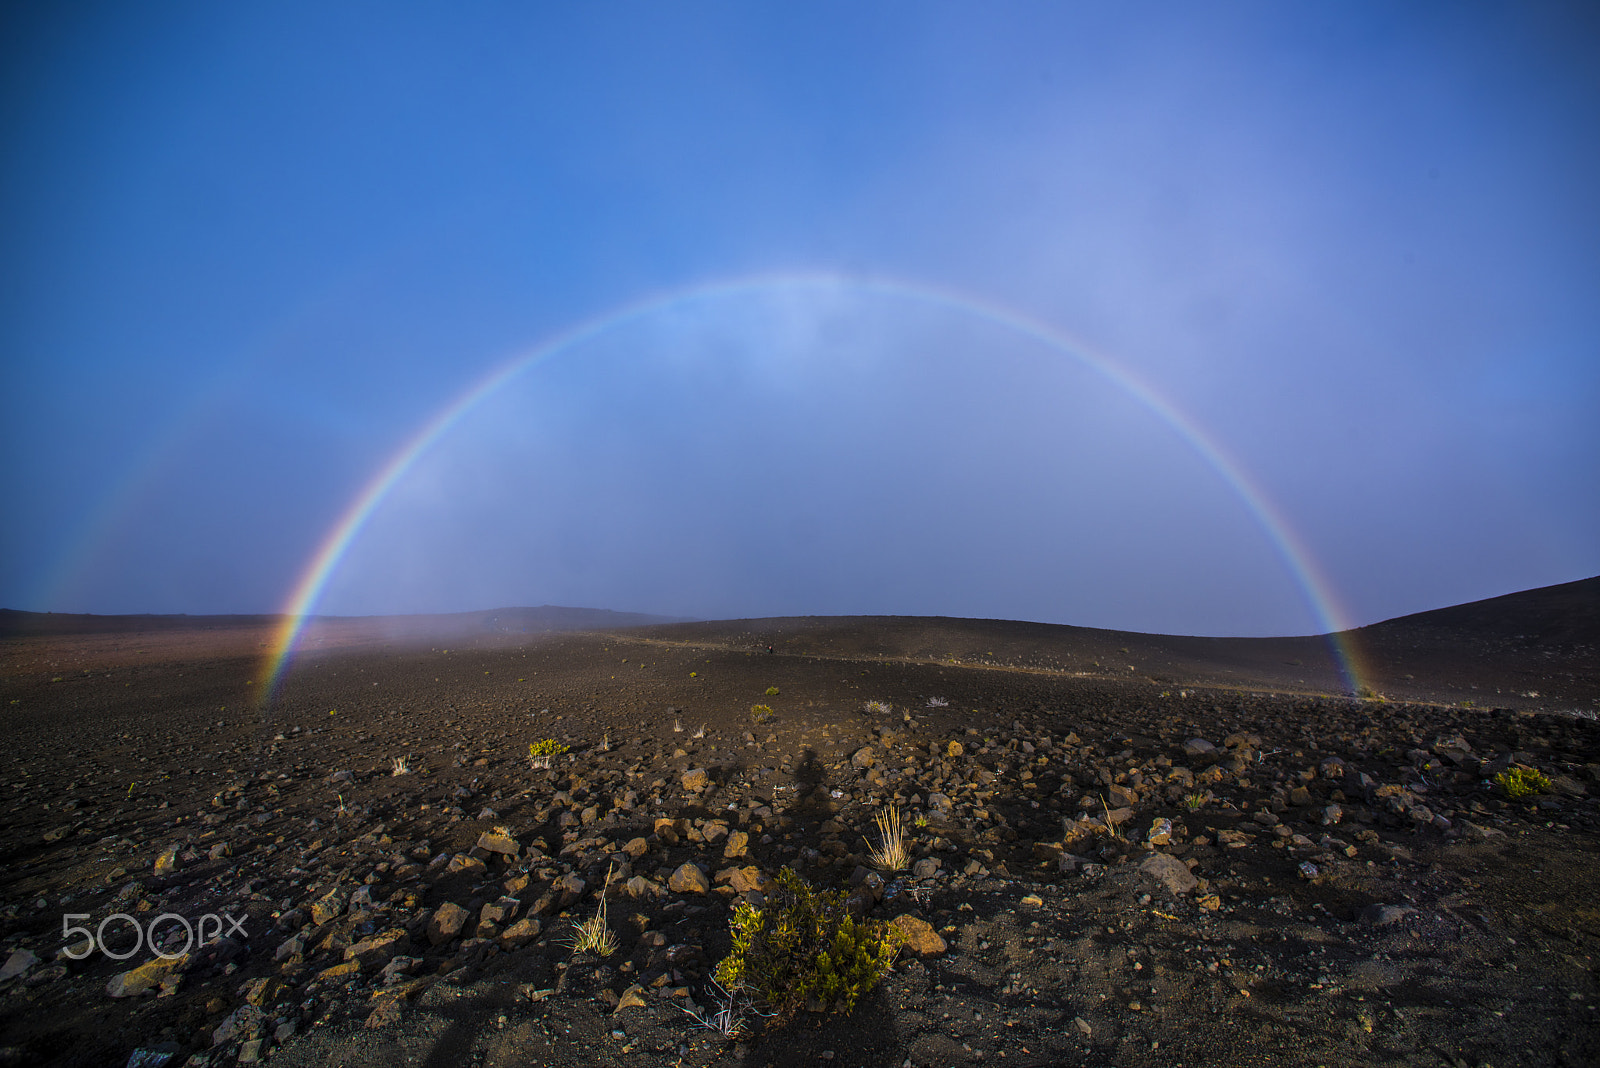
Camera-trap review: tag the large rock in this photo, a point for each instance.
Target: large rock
(920, 937)
(245, 1022)
(263, 993)
(520, 933)
(696, 779)
(447, 922)
(499, 911)
(329, 906)
(688, 879)
(375, 952)
(570, 889)
(738, 845)
(864, 757)
(1173, 874)
(750, 878)
(499, 843)
(1198, 747)
(146, 977)
(18, 963)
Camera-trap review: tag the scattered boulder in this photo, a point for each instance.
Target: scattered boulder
(920, 937)
(688, 879)
(446, 923)
(18, 963)
(1173, 875)
(146, 977)
(373, 953)
(328, 907)
(520, 933)
(503, 844)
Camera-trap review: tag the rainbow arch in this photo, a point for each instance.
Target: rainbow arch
(1292, 551)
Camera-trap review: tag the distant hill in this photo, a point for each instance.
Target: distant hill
(1565, 614)
(18, 624)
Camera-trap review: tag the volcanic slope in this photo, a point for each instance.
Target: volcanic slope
(1180, 864)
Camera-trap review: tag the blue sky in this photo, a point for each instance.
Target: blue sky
(249, 251)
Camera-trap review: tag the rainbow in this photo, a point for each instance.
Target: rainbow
(1318, 593)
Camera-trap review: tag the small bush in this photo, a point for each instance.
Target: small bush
(772, 691)
(804, 946)
(540, 754)
(760, 713)
(1518, 783)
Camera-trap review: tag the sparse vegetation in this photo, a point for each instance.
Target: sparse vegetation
(878, 708)
(594, 935)
(772, 691)
(1111, 826)
(894, 852)
(400, 767)
(732, 1009)
(937, 702)
(804, 949)
(1192, 802)
(760, 713)
(540, 754)
(1519, 782)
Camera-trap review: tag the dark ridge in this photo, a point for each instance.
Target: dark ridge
(1561, 614)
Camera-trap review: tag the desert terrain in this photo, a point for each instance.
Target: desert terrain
(1125, 848)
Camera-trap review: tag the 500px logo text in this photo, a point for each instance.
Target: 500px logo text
(211, 925)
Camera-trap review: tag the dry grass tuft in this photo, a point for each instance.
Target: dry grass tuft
(894, 854)
(593, 935)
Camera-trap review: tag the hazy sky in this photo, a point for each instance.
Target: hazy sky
(1118, 315)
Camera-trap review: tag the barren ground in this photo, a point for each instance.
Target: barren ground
(1421, 919)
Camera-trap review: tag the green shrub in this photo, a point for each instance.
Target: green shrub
(761, 713)
(541, 753)
(803, 946)
(1518, 783)
(772, 691)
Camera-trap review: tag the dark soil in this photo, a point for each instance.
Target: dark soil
(130, 743)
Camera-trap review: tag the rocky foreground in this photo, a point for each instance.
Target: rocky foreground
(1102, 870)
